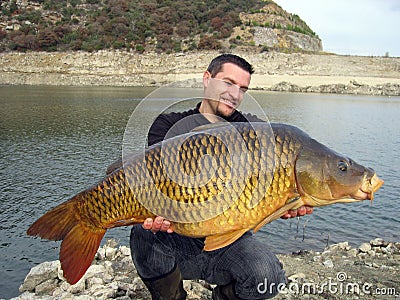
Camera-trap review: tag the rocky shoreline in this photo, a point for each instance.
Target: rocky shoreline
(370, 271)
(275, 71)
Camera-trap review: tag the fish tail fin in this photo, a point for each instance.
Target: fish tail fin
(78, 250)
(80, 239)
(56, 223)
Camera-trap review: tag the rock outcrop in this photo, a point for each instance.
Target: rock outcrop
(273, 27)
(274, 71)
(353, 87)
(338, 272)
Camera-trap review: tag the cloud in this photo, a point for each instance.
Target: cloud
(360, 27)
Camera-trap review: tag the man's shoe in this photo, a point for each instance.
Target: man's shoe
(169, 287)
(225, 292)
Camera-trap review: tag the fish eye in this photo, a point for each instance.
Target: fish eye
(342, 165)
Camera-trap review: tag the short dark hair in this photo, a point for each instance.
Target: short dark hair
(216, 64)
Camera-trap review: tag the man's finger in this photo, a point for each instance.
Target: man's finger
(301, 211)
(148, 223)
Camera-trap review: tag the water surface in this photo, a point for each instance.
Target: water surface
(57, 141)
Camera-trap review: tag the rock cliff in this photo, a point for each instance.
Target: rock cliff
(273, 27)
(275, 71)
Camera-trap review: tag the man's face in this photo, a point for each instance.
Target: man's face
(225, 91)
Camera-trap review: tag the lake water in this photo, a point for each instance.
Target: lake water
(57, 141)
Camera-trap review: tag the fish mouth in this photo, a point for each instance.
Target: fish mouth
(368, 188)
(365, 192)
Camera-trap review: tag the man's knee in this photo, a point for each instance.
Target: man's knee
(262, 279)
(150, 257)
(269, 280)
(261, 274)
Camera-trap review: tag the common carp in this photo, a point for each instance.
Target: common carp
(216, 182)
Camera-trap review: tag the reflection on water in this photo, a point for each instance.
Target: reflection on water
(56, 141)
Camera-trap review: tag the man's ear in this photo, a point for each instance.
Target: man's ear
(206, 78)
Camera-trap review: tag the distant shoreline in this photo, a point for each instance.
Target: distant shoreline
(318, 73)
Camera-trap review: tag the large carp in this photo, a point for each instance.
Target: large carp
(217, 183)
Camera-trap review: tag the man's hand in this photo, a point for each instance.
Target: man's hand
(301, 211)
(158, 224)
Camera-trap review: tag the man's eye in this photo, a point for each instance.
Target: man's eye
(230, 84)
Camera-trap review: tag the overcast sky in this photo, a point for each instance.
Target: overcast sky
(357, 27)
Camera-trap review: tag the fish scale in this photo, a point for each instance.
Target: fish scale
(216, 182)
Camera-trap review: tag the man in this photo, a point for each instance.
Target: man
(163, 258)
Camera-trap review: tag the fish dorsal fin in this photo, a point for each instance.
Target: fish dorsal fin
(210, 126)
(291, 204)
(114, 166)
(217, 241)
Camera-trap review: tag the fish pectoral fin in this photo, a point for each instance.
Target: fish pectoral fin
(279, 213)
(125, 222)
(217, 241)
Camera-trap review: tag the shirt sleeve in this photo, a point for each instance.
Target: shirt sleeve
(159, 129)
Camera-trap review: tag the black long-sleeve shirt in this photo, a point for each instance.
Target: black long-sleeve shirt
(173, 124)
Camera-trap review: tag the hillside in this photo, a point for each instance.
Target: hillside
(151, 25)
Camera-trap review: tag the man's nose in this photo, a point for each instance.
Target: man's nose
(235, 91)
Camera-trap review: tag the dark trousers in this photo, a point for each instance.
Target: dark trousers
(256, 271)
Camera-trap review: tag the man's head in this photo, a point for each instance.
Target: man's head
(226, 80)
(216, 64)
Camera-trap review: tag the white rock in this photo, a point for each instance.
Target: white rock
(328, 263)
(317, 258)
(110, 252)
(94, 281)
(64, 296)
(377, 242)
(25, 296)
(101, 254)
(82, 297)
(365, 247)
(46, 287)
(105, 293)
(111, 243)
(389, 249)
(125, 250)
(78, 287)
(339, 246)
(108, 278)
(108, 265)
(326, 253)
(298, 277)
(352, 252)
(126, 263)
(362, 255)
(94, 288)
(95, 271)
(39, 274)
